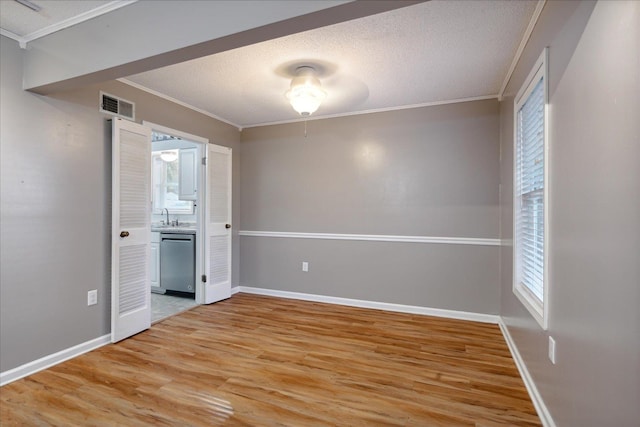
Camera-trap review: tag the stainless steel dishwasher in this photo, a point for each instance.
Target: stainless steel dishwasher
(177, 262)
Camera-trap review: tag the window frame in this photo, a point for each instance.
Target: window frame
(539, 309)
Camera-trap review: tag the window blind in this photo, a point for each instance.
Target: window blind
(529, 192)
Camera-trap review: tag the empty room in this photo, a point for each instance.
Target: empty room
(320, 213)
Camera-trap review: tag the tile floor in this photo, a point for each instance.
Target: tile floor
(163, 306)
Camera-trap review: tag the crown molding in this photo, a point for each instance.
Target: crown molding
(106, 8)
(378, 110)
(525, 39)
(21, 40)
(301, 119)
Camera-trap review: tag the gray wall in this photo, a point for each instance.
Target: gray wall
(55, 208)
(594, 214)
(421, 172)
(429, 171)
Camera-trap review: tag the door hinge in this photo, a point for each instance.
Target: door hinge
(204, 278)
(204, 161)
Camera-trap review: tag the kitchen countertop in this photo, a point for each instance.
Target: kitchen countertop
(180, 229)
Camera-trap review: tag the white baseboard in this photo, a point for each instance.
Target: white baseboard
(452, 314)
(536, 398)
(53, 359)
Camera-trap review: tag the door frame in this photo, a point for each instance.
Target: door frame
(201, 143)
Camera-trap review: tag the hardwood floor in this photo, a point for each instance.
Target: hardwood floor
(263, 361)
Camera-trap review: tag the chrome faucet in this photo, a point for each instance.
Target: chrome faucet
(165, 209)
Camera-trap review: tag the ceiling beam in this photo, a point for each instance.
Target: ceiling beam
(149, 35)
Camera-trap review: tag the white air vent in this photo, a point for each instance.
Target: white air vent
(117, 106)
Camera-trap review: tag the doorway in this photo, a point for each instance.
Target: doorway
(132, 268)
(176, 186)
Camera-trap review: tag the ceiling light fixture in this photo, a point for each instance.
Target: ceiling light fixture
(169, 156)
(305, 93)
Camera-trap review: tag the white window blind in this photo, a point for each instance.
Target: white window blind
(530, 192)
(530, 195)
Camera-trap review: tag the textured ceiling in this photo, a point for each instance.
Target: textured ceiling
(437, 51)
(425, 53)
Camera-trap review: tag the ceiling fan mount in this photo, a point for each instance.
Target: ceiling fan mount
(322, 69)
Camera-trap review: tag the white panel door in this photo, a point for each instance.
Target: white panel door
(217, 242)
(131, 229)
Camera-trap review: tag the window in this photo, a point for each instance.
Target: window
(166, 185)
(530, 283)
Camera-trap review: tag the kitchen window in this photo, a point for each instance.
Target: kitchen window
(530, 281)
(166, 186)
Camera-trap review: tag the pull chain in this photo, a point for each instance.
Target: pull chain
(305, 128)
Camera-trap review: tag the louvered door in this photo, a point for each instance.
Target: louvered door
(131, 229)
(218, 224)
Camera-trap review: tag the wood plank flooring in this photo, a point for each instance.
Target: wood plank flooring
(263, 361)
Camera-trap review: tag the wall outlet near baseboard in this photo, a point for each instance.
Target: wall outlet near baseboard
(305, 266)
(552, 350)
(92, 297)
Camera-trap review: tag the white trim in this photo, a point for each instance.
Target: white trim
(377, 110)
(177, 101)
(400, 308)
(538, 70)
(539, 310)
(300, 119)
(525, 39)
(21, 40)
(374, 238)
(534, 394)
(90, 14)
(53, 359)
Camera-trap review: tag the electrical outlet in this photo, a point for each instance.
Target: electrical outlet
(305, 266)
(552, 350)
(92, 297)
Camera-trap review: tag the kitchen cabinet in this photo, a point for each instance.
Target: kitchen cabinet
(155, 260)
(188, 175)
